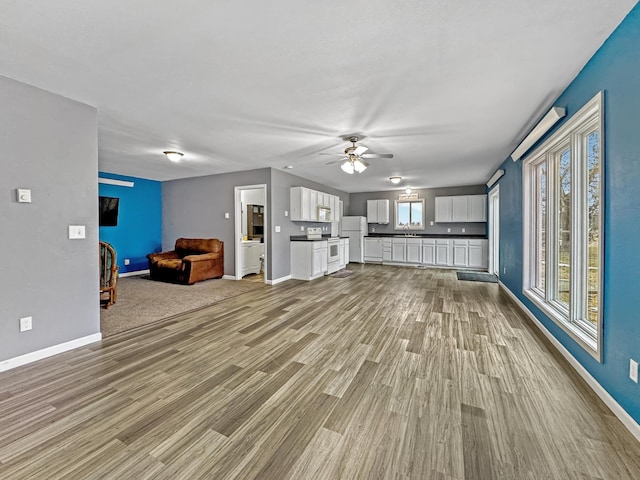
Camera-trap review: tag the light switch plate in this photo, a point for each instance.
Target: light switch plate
(277, 228)
(23, 195)
(226, 215)
(633, 370)
(286, 213)
(26, 324)
(76, 232)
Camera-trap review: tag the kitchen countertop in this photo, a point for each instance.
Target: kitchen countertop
(303, 238)
(427, 235)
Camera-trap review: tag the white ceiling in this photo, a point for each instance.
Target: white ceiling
(448, 87)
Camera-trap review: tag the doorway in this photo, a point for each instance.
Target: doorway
(251, 232)
(494, 231)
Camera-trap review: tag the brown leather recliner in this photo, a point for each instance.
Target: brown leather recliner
(193, 260)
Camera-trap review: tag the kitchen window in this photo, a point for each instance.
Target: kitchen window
(409, 214)
(562, 197)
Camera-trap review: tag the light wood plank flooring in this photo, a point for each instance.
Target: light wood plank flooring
(391, 373)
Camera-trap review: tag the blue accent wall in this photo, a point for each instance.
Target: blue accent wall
(615, 69)
(139, 229)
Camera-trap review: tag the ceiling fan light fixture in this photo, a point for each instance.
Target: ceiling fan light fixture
(360, 166)
(395, 180)
(347, 167)
(173, 155)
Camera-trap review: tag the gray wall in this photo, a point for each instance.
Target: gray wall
(195, 208)
(281, 182)
(358, 206)
(48, 144)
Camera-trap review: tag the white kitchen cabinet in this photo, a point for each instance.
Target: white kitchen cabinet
(461, 208)
(399, 250)
(378, 211)
(344, 252)
(477, 208)
(414, 250)
(428, 251)
(308, 259)
(304, 203)
(387, 247)
(460, 253)
(251, 252)
(478, 254)
(443, 209)
(443, 253)
(373, 250)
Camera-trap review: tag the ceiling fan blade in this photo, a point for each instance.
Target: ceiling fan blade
(336, 161)
(377, 155)
(326, 153)
(360, 150)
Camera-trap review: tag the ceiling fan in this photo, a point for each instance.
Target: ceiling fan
(354, 156)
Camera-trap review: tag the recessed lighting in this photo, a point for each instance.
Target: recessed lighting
(173, 156)
(288, 167)
(395, 180)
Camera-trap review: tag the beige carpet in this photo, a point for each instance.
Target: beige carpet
(142, 301)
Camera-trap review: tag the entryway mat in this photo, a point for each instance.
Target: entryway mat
(477, 277)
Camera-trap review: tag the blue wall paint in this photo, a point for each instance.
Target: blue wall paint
(139, 229)
(615, 68)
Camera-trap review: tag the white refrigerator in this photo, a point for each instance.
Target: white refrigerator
(355, 228)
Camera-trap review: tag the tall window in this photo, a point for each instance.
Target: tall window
(563, 224)
(409, 214)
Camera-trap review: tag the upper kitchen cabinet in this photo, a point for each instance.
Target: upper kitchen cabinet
(461, 208)
(305, 203)
(378, 211)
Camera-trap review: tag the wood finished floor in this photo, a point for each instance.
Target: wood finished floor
(391, 373)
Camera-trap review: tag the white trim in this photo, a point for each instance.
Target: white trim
(494, 231)
(48, 352)
(278, 280)
(229, 277)
(118, 183)
(134, 273)
(237, 208)
(626, 419)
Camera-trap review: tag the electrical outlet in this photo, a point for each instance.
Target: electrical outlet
(127, 261)
(431, 223)
(277, 228)
(464, 230)
(448, 230)
(286, 213)
(26, 324)
(633, 370)
(76, 232)
(373, 229)
(302, 228)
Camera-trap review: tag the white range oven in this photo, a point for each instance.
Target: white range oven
(333, 254)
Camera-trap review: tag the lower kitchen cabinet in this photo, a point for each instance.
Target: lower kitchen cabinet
(440, 252)
(308, 259)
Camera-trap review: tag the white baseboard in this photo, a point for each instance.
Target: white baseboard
(133, 274)
(229, 277)
(48, 352)
(278, 280)
(626, 419)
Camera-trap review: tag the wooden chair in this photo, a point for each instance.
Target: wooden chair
(108, 275)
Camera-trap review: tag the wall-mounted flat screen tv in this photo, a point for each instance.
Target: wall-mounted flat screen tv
(108, 208)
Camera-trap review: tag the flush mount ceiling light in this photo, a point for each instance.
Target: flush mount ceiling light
(288, 167)
(354, 165)
(173, 156)
(395, 180)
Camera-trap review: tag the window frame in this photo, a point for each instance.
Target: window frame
(574, 134)
(409, 227)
